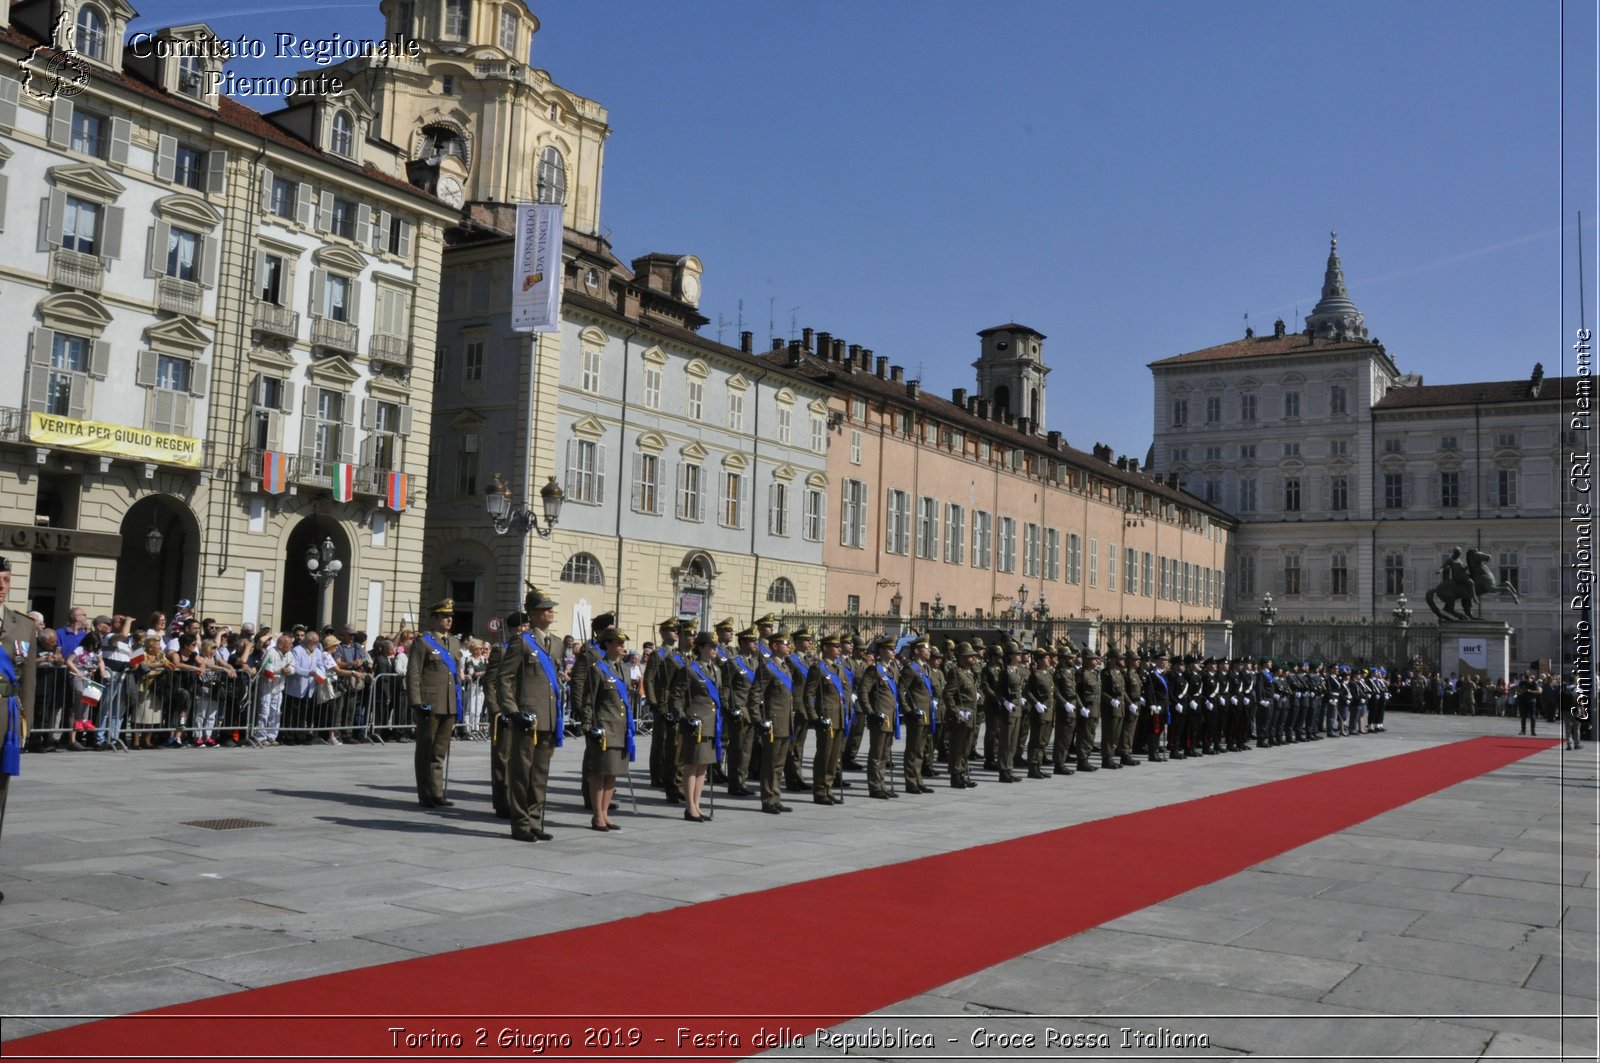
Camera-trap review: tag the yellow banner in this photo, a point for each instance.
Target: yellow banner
(141, 444)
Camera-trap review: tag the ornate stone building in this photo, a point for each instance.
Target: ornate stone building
(196, 285)
(1352, 480)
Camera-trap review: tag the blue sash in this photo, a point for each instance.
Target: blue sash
(844, 696)
(933, 717)
(776, 668)
(627, 702)
(11, 755)
(765, 652)
(799, 666)
(716, 717)
(554, 677)
(450, 663)
(894, 689)
(749, 676)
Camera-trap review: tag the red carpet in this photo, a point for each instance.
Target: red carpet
(830, 948)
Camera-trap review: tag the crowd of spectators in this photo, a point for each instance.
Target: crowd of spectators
(169, 681)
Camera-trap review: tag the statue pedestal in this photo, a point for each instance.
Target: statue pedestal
(1481, 648)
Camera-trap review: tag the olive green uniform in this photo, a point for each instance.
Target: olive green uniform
(532, 730)
(776, 709)
(434, 695)
(920, 686)
(877, 699)
(17, 633)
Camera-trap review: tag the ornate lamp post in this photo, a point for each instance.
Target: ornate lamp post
(323, 568)
(509, 516)
(1269, 616)
(1402, 621)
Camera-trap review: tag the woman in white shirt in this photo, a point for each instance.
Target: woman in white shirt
(276, 667)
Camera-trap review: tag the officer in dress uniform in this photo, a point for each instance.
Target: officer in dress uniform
(827, 697)
(528, 690)
(499, 714)
(18, 669)
(1135, 720)
(1090, 690)
(801, 660)
(1113, 712)
(434, 687)
(738, 692)
(696, 692)
(1066, 722)
(776, 711)
(660, 669)
(855, 664)
(878, 698)
(933, 734)
(1038, 711)
(961, 713)
(920, 683)
(582, 679)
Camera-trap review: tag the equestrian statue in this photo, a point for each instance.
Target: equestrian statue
(1467, 579)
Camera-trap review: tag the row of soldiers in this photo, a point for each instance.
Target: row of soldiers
(776, 689)
(741, 708)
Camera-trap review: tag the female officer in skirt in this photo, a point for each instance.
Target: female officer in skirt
(608, 726)
(697, 702)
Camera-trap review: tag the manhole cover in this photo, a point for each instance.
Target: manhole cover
(225, 824)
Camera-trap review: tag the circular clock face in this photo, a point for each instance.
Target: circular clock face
(451, 192)
(691, 287)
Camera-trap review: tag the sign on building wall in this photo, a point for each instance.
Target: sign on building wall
(122, 440)
(536, 269)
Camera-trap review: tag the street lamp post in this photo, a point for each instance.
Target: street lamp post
(323, 568)
(1402, 621)
(509, 516)
(1269, 617)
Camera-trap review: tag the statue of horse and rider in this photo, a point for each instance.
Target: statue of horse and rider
(1467, 580)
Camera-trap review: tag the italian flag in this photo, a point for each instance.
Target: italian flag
(344, 481)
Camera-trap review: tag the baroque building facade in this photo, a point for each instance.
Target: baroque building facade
(200, 285)
(1352, 480)
(969, 505)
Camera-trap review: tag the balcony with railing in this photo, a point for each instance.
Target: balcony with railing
(276, 320)
(391, 351)
(500, 68)
(178, 296)
(74, 269)
(308, 470)
(13, 422)
(335, 335)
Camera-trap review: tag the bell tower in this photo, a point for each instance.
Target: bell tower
(1011, 373)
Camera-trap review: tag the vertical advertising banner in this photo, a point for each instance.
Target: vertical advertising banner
(536, 269)
(1472, 658)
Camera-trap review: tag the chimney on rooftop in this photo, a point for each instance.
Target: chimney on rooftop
(958, 396)
(866, 357)
(805, 339)
(838, 350)
(796, 353)
(883, 366)
(777, 343)
(824, 344)
(747, 342)
(1278, 329)
(1053, 440)
(913, 388)
(972, 404)
(983, 408)
(897, 373)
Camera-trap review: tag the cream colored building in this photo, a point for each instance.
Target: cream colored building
(200, 284)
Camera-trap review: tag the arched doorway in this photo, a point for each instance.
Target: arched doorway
(692, 589)
(157, 579)
(300, 590)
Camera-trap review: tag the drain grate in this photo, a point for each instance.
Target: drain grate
(225, 824)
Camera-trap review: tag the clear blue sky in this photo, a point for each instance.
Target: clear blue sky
(1128, 178)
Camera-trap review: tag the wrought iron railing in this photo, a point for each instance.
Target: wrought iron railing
(178, 296)
(335, 335)
(277, 320)
(74, 269)
(1353, 642)
(389, 351)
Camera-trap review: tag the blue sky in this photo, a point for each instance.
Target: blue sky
(1129, 179)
